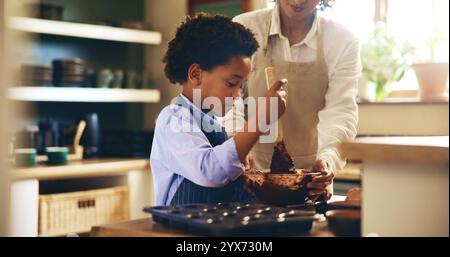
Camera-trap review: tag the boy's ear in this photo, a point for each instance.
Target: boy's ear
(195, 74)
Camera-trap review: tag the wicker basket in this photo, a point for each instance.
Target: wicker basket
(64, 213)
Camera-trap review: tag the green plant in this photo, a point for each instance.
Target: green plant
(385, 59)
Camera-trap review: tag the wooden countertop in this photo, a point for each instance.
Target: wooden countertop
(84, 168)
(417, 150)
(147, 228)
(114, 166)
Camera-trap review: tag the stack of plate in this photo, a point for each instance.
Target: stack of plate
(68, 72)
(36, 75)
(44, 11)
(51, 11)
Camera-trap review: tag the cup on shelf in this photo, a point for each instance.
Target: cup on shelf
(133, 79)
(25, 157)
(104, 78)
(57, 155)
(118, 79)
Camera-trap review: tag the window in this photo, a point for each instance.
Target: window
(414, 21)
(357, 15)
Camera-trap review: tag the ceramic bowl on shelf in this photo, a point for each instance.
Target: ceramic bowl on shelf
(25, 157)
(57, 155)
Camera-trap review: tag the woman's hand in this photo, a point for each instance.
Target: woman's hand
(318, 186)
(249, 163)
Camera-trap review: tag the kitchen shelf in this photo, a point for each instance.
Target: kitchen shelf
(74, 94)
(81, 169)
(72, 29)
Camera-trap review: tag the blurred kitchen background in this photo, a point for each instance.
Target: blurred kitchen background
(86, 79)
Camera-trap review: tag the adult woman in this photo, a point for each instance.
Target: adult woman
(320, 59)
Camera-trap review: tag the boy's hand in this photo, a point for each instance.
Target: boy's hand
(247, 138)
(276, 90)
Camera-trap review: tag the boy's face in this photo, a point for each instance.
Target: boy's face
(224, 81)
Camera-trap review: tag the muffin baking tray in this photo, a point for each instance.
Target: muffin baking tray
(235, 219)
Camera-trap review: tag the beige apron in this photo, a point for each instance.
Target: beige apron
(306, 89)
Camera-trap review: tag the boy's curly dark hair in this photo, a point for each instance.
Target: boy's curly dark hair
(207, 40)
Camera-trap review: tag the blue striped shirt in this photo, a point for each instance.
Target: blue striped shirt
(181, 150)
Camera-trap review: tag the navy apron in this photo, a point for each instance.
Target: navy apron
(189, 192)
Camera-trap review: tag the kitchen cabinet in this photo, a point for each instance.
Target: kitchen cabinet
(405, 184)
(26, 182)
(91, 32)
(101, 47)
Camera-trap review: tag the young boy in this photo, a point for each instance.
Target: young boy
(192, 160)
